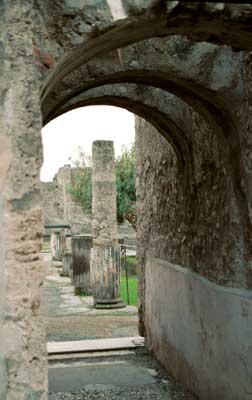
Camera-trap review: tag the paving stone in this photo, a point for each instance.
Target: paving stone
(134, 376)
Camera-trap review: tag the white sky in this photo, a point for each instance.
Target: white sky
(81, 127)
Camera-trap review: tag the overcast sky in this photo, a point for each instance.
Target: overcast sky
(81, 127)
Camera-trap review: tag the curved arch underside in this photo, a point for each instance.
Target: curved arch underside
(200, 22)
(174, 65)
(167, 116)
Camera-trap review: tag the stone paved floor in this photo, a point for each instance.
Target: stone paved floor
(69, 317)
(130, 375)
(144, 379)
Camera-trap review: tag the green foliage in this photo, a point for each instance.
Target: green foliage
(125, 169)
(81, 188)
(133, 289)
(131, 264)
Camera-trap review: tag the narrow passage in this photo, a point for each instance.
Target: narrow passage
(125, 374)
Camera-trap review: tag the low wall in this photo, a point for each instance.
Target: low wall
(200, 331)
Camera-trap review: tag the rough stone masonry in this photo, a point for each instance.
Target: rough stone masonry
(105, 253)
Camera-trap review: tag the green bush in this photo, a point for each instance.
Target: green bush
(131, 264)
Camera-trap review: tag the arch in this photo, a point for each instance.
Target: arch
(167, 19)
(199, 83)
(194, 82)
(171, 117)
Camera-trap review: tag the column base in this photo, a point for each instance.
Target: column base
(106, 304)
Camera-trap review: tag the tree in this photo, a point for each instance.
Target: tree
(81, 188)
(125, 170)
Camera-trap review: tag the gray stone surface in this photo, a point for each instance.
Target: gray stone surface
(73, 379)
(200, 331)
(138, 374)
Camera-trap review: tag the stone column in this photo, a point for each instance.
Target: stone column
(69, 242)
(81, 248)
(23, 355)
(67, 260)
(64, 179)
(58, 244)
(105, 255)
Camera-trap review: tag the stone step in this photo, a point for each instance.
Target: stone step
(89, 355)
(80, 346)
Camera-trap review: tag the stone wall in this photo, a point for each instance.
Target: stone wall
(59, 206)
(200, 331)
(194, 225)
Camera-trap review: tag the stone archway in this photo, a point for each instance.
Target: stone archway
(23, 356)
(193, 75)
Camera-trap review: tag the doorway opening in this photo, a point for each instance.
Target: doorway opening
(66, 182)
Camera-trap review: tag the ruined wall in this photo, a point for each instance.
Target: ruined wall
(59, 205)
(195, 224)
(52, 201)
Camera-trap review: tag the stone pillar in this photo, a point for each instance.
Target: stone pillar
(81, 248)
(58, 244)
(64, 179)
(23, 355)
(105, 255)
(68, 242)
(67, 259)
